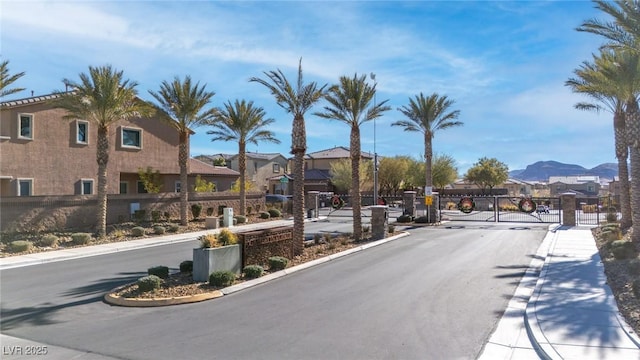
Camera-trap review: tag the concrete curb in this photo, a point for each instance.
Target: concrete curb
(129, 302)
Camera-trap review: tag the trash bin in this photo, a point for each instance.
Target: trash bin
(310, 214)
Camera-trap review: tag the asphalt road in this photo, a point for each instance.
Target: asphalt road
(436, 294)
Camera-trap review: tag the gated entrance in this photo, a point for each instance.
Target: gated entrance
(500, 209)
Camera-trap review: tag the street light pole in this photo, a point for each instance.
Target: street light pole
(375, 154)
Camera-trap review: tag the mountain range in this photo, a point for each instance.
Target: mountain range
(542, 170)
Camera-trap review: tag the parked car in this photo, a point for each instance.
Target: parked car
(542, 209)
(276, 198)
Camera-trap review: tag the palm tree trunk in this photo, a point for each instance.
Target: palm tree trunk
(428, 172)
(355, 182)
(298, 149)
(622, 153)
(633, 138)
(242, 165)
(102, 157)
(183, 159)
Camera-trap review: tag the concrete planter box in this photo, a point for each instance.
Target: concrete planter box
(208, 260)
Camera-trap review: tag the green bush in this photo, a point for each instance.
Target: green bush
(186, 266)
(635, 286)
(366, 229)
(137, 231)
(278, 263)
(81, 238)
(249, 210)
(49, 240)
(611, 235)
(391, 229)
(316, 238)
(274, 213)
(264, 215)
(155, 215)
(167, 215)
(209, 211)
(610, 227)
(421, 220)
(404, 219)
(241, 219)
(634, 267)
(159, 271)
(139, 215)
(149, 283)
(252, 271)
(222, 278)
(226, 237)
(159, 229)
(196, 209)
(208, 241)
(173, 228)
(612, 217)
(20, 246)
(622, 249)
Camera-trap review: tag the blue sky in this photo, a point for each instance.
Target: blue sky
(504, 63)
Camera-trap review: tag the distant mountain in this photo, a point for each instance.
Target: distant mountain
(542, 170)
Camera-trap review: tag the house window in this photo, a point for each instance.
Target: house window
(131, 138)
(82, 132)
(25, 126)
(25, 187)
(141, 189)
(276, 168)
(177, 186)
(255, 167)
(124, 187)
(86, 186)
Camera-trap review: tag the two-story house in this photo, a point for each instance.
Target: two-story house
(585, 185)
(260, 167)
(44, 154)
(317, 166)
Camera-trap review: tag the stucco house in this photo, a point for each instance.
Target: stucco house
(44, 154)
(317, 166)
(585, 185)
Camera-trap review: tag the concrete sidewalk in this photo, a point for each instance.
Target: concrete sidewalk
(563, 307)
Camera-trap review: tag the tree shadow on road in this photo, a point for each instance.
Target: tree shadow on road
(45, 314)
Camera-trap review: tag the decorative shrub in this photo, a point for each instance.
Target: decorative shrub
(622, 249)
(274, 212)
(159, 230)
(404, 218)
(611, 235)
(137, 231)
(149, 283)
(252, 271)
(196, 209)
(20, 246)
(226, 237)
(264, 215)
(186, 266)
(612, 217)
(589, 208)
(49, 240)
(81, 238)
(173, 228)
(634, 267)
(391, 229)
(167, 215)
(421, 220)
(209, 211)
(365, 229)
(278, 262)
(316, 238)
(327, 237)
(222, 278)
(155, 215)
(208, 241)
(240, 219)
(118, 233)
(159, 271)
(249, 210)
(139, 215)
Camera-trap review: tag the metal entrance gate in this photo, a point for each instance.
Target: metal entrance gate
(500, 209)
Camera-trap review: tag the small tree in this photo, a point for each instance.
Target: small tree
(341, 178)
(202, 185)
(248, 185)
(444, 171)
(151, 180)
(393, 173)
(219, 162)
(487, 173)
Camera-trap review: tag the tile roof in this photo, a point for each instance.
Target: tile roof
(28, 101)
(337, 152)
(199, 167)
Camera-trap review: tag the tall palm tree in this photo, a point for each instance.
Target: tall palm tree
(428, 115)
(184, 104)
(350, 103)
(296, 99)
(610, 84)
(244, 123)
(102, 97)
(624, 32)
(6, 79)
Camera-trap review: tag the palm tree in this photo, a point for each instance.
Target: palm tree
(428, 115)
(244, 123)
(102, 97)
(6, 80)
(297, 101)
(184, 104)
(610, 85)
(349, 102)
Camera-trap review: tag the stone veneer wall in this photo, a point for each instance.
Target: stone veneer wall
(259, 246)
